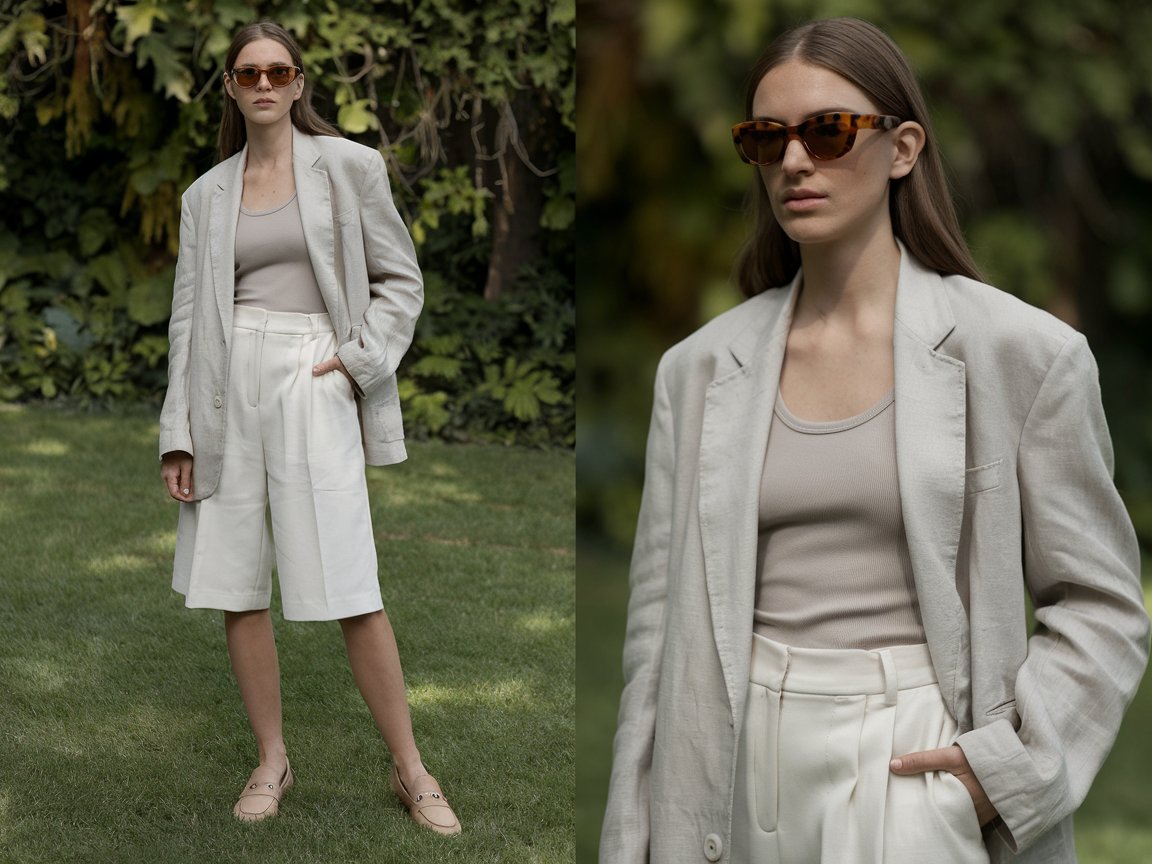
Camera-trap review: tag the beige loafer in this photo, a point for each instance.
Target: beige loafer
(426, 803)
(261, 800)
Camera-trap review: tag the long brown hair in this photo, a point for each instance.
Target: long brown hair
(920, 203)
(233, 134)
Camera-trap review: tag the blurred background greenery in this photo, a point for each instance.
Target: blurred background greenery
(109, 110)
(1043, 112)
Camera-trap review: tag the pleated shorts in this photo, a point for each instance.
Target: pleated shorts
(292, 488)
(812, 778)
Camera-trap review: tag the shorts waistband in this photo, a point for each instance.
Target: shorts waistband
(288, 323)
(839, 671)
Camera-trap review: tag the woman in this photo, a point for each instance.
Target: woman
(852, 483)
(296, 295)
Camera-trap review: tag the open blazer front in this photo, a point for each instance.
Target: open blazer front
(1004, 465)
(365, 264)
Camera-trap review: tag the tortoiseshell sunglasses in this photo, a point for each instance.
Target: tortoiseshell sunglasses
(278, 75)
(825, 136)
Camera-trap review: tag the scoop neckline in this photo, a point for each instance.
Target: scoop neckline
(275, 209)
(824, 427)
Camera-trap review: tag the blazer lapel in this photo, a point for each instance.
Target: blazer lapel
(223, 213)
(737, 416)
(315, 198)
(930, 462)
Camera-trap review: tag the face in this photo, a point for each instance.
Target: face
(824, 201)
(264, 104)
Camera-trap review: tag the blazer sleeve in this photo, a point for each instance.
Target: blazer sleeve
(625, 832)
(395, 285)
(175, 433)
(1088, 652)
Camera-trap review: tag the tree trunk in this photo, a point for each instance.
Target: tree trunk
(519, 198)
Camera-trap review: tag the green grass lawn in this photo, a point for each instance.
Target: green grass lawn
(1113, 826)
(122, 736)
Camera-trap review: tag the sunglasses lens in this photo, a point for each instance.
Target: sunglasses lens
(279, 76)
(246, 77)
(827, 140)
(760, 146)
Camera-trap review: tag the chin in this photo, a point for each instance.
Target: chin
(808, 232)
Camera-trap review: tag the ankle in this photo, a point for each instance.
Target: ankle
(409, 767)
(276, 754)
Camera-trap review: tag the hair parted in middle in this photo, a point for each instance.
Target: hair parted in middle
(923, 215)
(233, 134)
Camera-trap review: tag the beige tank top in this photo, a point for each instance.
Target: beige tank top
(273, 270)
(834, 570)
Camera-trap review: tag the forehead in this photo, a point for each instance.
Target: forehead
(263, 52)
(795, 90)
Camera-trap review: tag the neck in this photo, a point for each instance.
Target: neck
(852, 278)
(269, 146)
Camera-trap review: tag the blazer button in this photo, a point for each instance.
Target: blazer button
(713, 847)
(217, 401)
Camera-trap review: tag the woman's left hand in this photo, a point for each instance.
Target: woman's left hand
(952, 760)
(334, 363)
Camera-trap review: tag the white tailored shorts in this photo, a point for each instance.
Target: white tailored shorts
(292, 488)
(812, 776)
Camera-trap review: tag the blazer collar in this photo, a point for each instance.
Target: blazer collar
(922, 307)
(314, 191)
(769, 318)
(223, 213)
(738, 409)
(931, 446)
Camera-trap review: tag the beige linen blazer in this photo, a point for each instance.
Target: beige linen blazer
(366, 267)
(1004, 465)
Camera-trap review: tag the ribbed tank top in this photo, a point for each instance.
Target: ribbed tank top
(834, 570)
(273, 270)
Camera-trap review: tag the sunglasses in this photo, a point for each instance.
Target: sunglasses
(278, 76)
(825, 136)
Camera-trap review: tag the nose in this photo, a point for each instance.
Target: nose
(796, 159)
(263, 83)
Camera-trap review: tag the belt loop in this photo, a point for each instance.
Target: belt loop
(891, 681)
(784, 671)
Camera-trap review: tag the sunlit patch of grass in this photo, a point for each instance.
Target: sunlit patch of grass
(47, 447)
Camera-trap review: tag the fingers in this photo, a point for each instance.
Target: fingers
(333, 364)
(186, 480)
(950, 759)
(326, 366)
(177, 476)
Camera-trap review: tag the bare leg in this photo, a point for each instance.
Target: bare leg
(375, 663)
(252, 649)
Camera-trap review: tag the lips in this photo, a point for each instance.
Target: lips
(803, 199)
(801, 195)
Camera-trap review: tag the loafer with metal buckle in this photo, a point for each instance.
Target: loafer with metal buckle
(426, 803)
(261, 800)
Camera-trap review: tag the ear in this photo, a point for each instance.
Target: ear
(299, 83)
(228, 87)
(910, 139)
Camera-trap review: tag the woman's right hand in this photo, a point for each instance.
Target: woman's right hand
(176, 469)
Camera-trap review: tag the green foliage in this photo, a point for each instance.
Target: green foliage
(499, 371)
(114, 107)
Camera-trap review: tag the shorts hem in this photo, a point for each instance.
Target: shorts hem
(346, 607)
(225, 602)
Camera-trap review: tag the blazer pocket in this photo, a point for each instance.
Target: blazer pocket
(982, 477)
